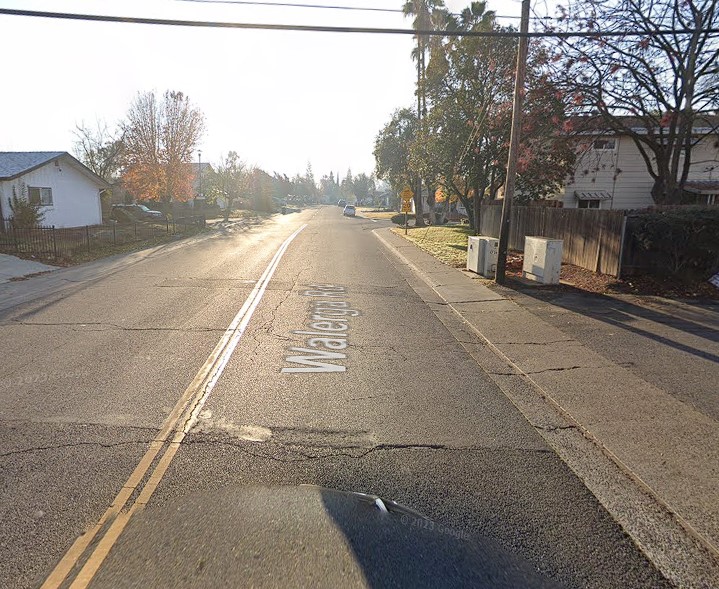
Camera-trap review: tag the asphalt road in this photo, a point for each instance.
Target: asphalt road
(91, 372)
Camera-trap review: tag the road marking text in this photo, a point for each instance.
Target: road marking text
(327, 332)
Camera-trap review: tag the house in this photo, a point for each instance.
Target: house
(67, 191)
(611, 173)
(200, 174)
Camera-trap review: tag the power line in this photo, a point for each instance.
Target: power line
(333, 29)
(290, 5)
(330, 7)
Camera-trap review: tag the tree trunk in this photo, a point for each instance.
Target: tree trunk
(418, 206)
(469, 206)
(430, 202)
(666, 192)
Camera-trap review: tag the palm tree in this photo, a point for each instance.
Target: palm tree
(427, 14)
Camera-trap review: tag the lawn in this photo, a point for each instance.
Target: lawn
(445, 242)
(373, 213)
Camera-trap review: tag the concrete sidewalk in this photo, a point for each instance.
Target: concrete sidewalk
(649, 458)
(12, 267)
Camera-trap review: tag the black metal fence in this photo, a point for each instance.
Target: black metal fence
(52, 243)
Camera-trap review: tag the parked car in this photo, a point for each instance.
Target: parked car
(349, 211)
(141, 212)
(342, 203)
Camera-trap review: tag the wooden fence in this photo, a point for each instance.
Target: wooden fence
(592, 238)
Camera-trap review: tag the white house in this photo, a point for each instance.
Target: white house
(611, 174)
(68, 191)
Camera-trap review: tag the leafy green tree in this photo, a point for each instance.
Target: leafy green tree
(330, 188)
(392, 150)
(281, 186)
(462, 144)
(260, 189)
(347, 187)
(310, 184)
(363, 187)
(229, 181)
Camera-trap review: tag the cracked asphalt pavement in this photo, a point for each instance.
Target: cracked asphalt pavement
(90, 372)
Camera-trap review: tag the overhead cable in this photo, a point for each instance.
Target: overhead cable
(334, 29)
(292, 5)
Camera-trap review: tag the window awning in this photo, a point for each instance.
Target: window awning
(702, 186)
(598, 195)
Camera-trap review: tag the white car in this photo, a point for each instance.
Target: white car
(349, 211)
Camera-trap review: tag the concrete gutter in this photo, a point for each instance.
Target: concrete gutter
(651, 460)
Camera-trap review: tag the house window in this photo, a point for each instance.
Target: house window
(40, 196)
(589, 204)
(604, 145)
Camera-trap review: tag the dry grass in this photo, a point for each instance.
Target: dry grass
(372, 213)
(446, 243)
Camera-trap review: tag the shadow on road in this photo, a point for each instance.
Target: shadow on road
(700, 320)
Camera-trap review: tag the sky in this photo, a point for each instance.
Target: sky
(279, 99)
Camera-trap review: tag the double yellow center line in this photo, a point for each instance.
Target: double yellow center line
(174, 429)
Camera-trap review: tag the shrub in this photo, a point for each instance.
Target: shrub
(398, 219)
(686, 238)
(25, 215)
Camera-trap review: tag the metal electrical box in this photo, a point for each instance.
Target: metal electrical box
(542, 259)
(482, 253)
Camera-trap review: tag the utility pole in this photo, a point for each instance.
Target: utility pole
(419, 205)
(513, 145)
(199, 169)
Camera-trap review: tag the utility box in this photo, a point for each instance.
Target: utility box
(542, 259)
(482, 254)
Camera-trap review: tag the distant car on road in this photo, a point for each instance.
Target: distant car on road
(349, 211)
(342, 203)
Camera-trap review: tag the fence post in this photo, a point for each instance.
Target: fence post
(54, 243)
(621, 246)
(135, 226)
(114, 234)
(14, 238)
(87, 236)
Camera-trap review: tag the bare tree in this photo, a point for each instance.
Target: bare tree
(657, 83)
(100, 149)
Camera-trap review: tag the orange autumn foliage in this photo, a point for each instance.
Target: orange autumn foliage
(159, 182)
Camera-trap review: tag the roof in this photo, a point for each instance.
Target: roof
(14, 164)
(17, 163)
(205, 166)
(595, 124)
(598, 195)
(702, 186)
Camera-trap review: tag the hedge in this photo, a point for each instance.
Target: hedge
(686, 239)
